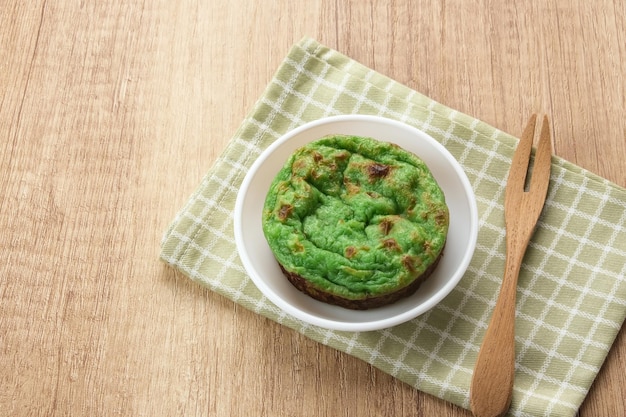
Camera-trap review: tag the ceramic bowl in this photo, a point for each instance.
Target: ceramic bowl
(264, 271)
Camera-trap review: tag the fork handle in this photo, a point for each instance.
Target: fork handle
(492, 381)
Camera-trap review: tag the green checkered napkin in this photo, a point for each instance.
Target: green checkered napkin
(572, 287)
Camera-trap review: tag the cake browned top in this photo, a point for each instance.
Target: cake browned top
(356, 217)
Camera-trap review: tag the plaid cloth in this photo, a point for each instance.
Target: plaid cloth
(572, 288)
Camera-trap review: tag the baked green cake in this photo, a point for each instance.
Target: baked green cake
(355, 222)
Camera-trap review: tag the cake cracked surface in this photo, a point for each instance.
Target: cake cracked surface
(355, 222)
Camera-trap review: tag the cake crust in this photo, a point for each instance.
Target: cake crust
(305, 286)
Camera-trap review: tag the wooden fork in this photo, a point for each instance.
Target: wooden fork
(492, 382)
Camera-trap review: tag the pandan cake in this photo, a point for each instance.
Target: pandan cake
(355, 222)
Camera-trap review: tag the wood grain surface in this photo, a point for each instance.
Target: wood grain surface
(112, 111)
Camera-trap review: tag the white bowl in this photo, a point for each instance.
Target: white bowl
(264, 271)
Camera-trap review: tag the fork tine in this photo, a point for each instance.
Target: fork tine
(521, 157)
(541, 170)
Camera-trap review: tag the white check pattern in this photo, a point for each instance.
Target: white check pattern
(572, 288)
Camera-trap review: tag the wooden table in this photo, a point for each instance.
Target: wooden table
(112, 111)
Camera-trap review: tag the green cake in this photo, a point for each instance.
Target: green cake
(355, 222)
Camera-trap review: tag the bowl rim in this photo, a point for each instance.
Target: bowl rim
(377, 324)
